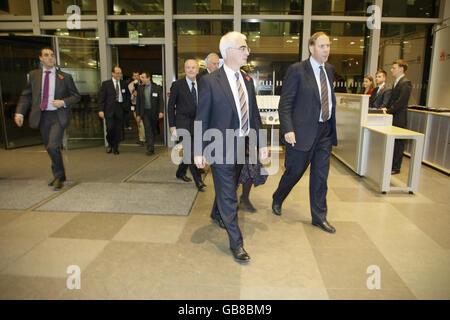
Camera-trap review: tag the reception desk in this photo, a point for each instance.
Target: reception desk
(366, 142)
(436, 129)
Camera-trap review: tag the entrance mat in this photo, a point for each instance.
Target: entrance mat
(24, 194)
(133, 198)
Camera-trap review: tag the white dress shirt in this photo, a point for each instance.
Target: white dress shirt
(398, 79)
(315, 66)
(232, 81)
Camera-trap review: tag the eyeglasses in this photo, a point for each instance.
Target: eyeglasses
(243, 48)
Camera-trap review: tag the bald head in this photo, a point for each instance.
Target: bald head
(191, 69)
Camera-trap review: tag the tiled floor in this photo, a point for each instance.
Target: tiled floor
(126, 256)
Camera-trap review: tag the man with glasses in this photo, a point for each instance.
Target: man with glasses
(113, 100)
(227, 103)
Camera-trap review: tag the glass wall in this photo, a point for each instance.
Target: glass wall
(203, 6)
(408, 8)
(342, 7)
(80, 58)
(275, 46)
(196, 39)
(272, 7)
(15, 7)
(348, 52)
(135, 7)
(412, 43)
(59, 7)
(149, 29)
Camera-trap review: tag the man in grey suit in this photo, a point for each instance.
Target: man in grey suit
(307, 112)
(49, 93)
(227, 103)
(380, 95)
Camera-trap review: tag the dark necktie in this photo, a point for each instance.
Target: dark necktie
(243, 105)
(194, 93)
(117, 91)
(44, 101)
(324, 95)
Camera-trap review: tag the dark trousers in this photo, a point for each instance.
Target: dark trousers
(182, 167)
(226, 177)
(150, 129)
(114, 127)
(52, 135)
(399, 146)
(297, 162)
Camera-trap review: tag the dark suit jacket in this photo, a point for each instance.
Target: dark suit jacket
(398, 103)
(107, 98)
(156, 101)
(379, 100)
(181, 107)
(31, 96)
(217, 108)
(299, 107)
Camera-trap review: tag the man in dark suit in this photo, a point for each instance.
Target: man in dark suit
(228, 105)
(398, 107)
(212, 62)
(308, 125)
(49, 93)
(380, 95)
(149, 108)
(113, 99)
(182, 108)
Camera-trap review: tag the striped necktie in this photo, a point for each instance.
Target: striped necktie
(324, 95)
(243, 105)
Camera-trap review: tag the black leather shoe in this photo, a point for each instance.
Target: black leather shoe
(116, 151)
(219, 222)
(246, 205)
(52, 183)
(110, 150)
(200, 186)
(276, 208)
(184, 178)
(240, 255)
(58, 184)
(395, 172)
(325, 226)
(150, 153)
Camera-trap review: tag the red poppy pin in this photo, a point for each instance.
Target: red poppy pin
(247, 77)
(60, 76)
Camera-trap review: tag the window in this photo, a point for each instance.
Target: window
(348, 52)
(16, 8)
(196, 39)
(135, 7)
(411, 8)
(59, 7)
(275, 46)
(272, 7)
(411, 42)
(341, 7)
(149, 29)
(203, 6)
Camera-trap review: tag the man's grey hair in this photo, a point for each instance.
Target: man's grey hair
(209, 56)
(229, 40)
